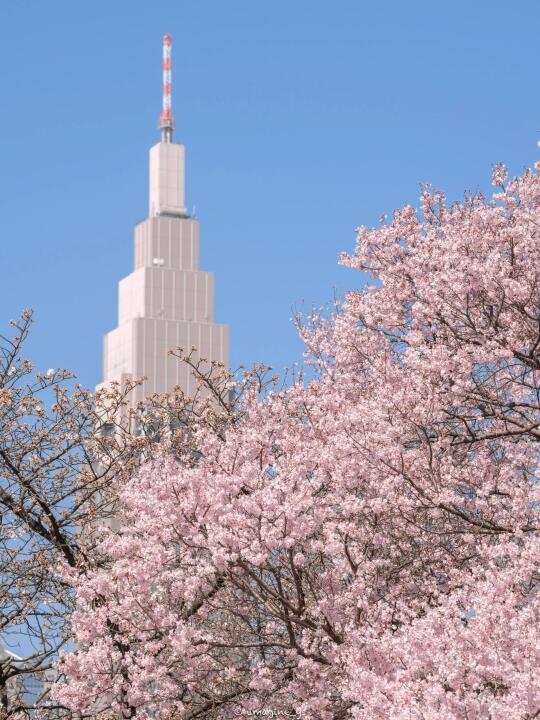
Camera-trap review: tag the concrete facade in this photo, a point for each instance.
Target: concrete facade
(166, 302)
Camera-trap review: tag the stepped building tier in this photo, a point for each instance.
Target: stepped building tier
(166, 302)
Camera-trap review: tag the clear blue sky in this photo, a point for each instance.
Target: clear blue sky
(302, 119)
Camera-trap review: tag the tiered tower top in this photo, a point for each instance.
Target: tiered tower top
(167, 301)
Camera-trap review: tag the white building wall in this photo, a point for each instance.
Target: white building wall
(166, 302)
(167, 179)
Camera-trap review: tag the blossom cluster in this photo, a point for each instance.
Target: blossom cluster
(364, 544)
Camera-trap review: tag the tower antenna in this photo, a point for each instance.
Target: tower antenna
(166, 119)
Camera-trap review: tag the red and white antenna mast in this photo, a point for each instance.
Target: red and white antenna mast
(166, 120)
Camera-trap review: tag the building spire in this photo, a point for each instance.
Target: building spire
(166, 119)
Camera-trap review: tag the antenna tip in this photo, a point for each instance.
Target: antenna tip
(167, 39)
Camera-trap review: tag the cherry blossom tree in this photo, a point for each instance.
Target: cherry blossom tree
(64, 454)
(361, 545)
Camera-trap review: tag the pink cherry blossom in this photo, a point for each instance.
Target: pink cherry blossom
(362, 545)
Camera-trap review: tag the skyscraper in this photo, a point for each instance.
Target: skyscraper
(166, 301)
